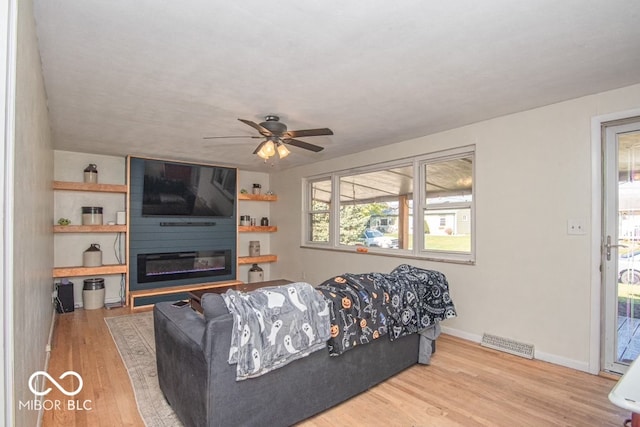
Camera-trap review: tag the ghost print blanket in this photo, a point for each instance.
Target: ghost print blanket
(273, 326)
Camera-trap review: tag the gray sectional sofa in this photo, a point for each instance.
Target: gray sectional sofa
(200, 385)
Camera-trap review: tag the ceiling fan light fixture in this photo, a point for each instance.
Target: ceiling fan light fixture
(261, 153)
(283, 151)
(269, 148)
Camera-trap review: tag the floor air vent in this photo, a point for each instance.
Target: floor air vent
(507, 345)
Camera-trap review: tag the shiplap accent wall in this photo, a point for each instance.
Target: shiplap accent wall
(146, 235)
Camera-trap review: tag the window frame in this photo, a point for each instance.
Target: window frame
(419, 207)
(453, 256)
(308, 211)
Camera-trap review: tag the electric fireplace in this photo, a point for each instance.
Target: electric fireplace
(158, 267)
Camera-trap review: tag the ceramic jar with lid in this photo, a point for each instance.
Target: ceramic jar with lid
(91, 174)
(256, 274)
(92, 257)
(91, 215)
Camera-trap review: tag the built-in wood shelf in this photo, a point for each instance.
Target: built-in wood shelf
(257, 259)
(257, 229)
(85, 186)
(258, 197)
(89, 228)
(89, 271)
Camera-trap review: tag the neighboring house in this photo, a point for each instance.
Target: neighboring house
(385, 223)
(448, 223)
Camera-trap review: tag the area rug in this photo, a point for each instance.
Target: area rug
(134, 338)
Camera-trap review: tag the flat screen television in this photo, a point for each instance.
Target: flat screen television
(182, 189)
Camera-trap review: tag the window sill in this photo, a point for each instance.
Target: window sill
(388, 253)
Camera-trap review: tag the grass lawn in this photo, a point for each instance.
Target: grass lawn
(459, 243)
(456, 243)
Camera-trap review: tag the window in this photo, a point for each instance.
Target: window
(448, 195)
(373, 207)
(319, 212)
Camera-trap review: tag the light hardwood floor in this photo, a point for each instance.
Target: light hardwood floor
(466, 385)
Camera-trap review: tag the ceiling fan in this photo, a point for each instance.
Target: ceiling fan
(277, 137)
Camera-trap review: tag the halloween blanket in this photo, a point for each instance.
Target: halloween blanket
(273, 326)
(418, 299)
(359, 310)
(365, 307)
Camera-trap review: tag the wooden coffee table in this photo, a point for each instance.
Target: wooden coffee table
(195, 297)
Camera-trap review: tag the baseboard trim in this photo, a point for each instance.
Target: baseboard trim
(563, 361)
(539, 355)
(47, 358)
(462, 334)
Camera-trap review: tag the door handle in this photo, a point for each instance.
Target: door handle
(608, 247)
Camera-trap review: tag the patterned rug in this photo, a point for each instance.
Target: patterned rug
(133, 335)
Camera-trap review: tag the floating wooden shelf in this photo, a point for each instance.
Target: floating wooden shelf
(257, 259)
(257, 229)
(89, 271)
(83, 186)
(258, 197)
(89, 228)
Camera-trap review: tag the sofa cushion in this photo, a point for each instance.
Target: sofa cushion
(213, 306)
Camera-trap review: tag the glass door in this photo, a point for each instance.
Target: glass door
(621, 245)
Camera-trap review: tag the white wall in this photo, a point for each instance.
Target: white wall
(32, 244)
(531, 281)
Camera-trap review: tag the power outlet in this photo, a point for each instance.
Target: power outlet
(576, 227)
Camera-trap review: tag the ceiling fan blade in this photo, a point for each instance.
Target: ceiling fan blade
(302, 144)
(308, 132)
(262, 130)
(233, 136)
(259, 147)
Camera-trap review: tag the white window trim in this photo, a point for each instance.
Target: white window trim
(306, 211)
(419, 206)
(467, 257)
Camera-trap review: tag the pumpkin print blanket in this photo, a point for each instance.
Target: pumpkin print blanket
(273, 326)
(358, 309)
(364, 307)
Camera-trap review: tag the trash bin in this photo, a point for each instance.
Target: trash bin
(93, 293)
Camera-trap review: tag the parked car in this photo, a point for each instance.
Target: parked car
(629, 268)
(373, 237)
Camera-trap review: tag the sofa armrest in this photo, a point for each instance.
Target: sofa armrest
(182, 368)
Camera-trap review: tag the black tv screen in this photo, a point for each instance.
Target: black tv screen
(182, 189)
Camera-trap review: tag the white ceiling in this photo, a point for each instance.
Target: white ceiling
(152, 78)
